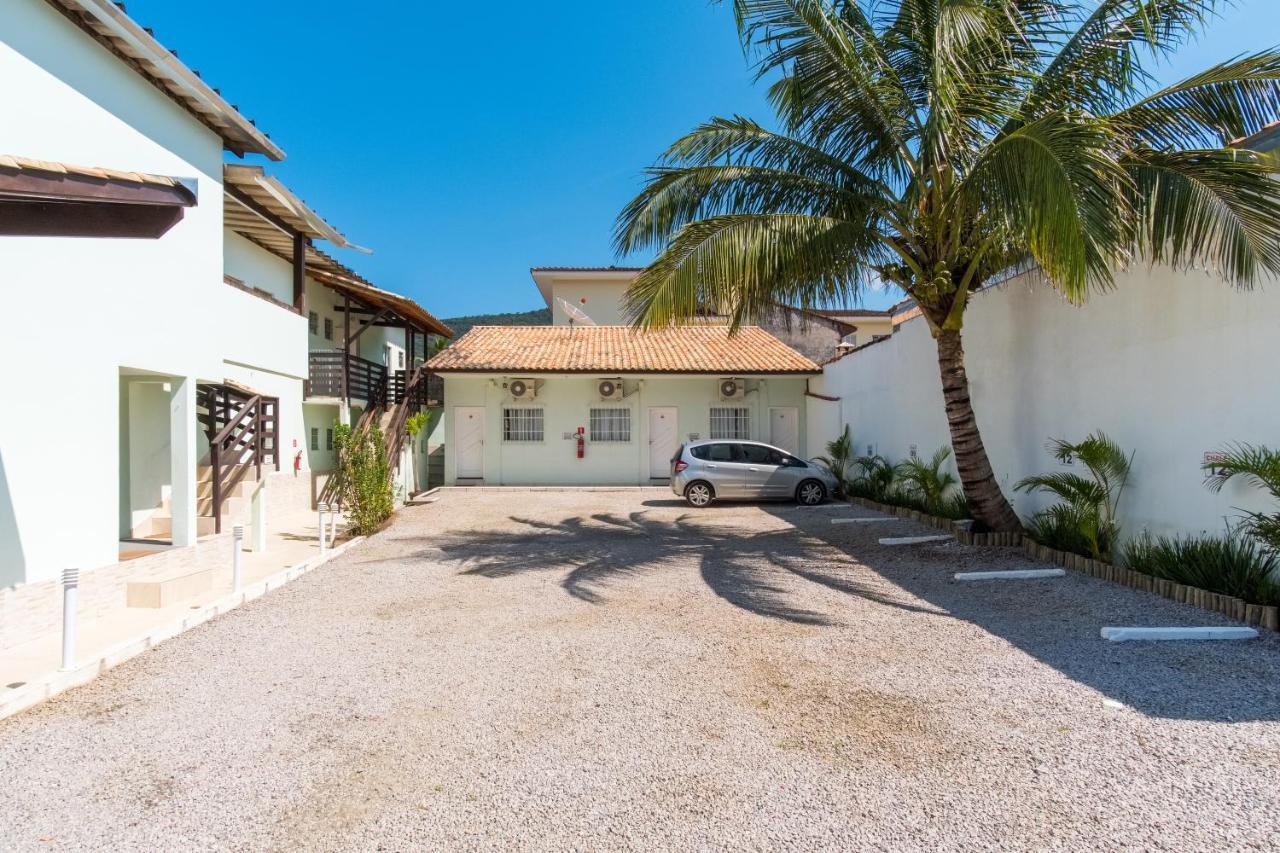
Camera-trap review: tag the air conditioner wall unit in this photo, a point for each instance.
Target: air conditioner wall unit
(610, 388)
(732, 389)
(521, 389)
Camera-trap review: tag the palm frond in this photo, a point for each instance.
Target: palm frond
(1054, 185)
(1256, 464)
(1209, 109)
(746, 263)
(1214, 207)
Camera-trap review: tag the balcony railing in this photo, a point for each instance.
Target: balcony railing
(426, 393)
(324, 377)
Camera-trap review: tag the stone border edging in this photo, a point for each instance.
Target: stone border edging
(51, 685)
(1258, 615)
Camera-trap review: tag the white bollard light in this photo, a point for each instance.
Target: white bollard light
(70, 596)
(321, 508)
(237, 539)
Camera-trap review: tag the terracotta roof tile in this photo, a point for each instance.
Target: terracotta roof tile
(620, 349)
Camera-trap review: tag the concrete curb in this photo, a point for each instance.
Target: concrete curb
(51, 685)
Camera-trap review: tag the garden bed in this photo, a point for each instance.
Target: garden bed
(1257, 615)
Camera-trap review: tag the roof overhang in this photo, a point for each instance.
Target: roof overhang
(46, 199)
(545, 277)
(1263, 141)
(253, 191)
(341, 280)
(108, 24)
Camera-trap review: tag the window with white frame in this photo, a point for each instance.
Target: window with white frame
(522, 424)
(730, 422)
(315, 438)
(611, 424)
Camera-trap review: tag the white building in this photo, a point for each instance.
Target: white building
(164, 308)
(580, 403)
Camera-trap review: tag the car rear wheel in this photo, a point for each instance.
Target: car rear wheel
(811, 493)
(699, 493)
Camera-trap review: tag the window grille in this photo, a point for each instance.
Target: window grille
(730, 422)
(313, 322)
(315, 438)
(611, 425)
(522, 424)
(328, 439)
(328, 328)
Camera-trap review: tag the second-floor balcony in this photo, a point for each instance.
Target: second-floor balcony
(370, 382)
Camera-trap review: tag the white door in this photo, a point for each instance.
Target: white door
(468, 441)
(664, 440)
(784, 429)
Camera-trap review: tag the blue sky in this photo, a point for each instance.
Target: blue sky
(465, 143)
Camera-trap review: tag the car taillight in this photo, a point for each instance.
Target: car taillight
(681, 465)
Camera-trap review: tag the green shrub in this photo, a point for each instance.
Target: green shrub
(839, 459)
(1233, 564)
(925, 485)
(364, 488)
(1261, 466)
(873, 478)
(417, 422)
(1084, 521)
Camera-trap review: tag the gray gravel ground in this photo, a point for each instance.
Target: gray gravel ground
(612, 670)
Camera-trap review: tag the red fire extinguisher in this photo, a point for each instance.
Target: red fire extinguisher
(582, 442)
(297, 463)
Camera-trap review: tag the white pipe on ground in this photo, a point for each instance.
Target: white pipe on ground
(1013, 575)
(1119, 635)
(70, 597)
(237, 539)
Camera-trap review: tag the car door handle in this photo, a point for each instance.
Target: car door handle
(712, 466)
(753, 468)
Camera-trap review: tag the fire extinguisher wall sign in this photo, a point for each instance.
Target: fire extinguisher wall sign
(582, 442)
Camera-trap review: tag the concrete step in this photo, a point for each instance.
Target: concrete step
(169, 589)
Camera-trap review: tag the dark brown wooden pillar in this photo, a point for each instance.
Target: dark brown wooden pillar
(346, 349)
(300, 273)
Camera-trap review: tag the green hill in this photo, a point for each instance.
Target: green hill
(537, 317)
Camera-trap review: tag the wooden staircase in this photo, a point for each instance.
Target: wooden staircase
(243, 431)
(407, 396)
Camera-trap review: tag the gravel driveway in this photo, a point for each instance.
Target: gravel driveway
(612, 670)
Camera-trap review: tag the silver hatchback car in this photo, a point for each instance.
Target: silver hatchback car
(703, 471)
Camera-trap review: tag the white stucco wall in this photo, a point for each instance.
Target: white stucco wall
(85, 311)
(1169, 365)
(567, 399)
(603, 299)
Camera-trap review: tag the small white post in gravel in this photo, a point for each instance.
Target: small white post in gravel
(258, 511)
(1014, 575)
(320, 509)
(913, 540)
(237, 547)
(1213, 632)
(70, 597)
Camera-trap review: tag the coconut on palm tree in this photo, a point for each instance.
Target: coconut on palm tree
(933, 144)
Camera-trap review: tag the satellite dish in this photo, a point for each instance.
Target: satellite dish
(576, 314)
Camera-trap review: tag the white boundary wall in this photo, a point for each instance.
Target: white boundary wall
(1169, 365)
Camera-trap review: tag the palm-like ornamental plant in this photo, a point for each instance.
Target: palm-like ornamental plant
(839, 458)
(1260, 466)
(1086, 518)
(926, 483)
(933, 144)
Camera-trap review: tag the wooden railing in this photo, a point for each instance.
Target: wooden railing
(325, 371)
(428, 392)
(243, 432)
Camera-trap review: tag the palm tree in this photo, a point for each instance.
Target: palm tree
(933, 144)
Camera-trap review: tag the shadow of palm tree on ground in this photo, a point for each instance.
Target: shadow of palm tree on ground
(759, 571)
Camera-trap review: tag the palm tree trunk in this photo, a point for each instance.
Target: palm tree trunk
(986, 501)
